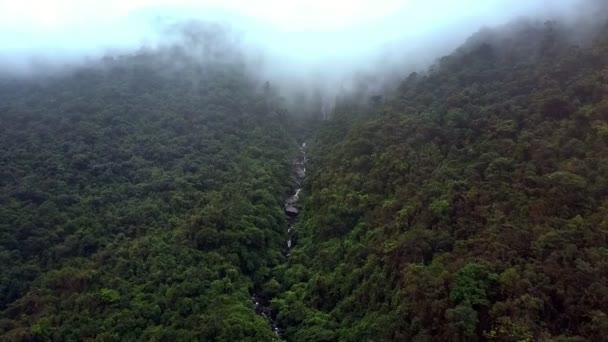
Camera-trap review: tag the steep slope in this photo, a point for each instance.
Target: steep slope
(140, 198)
(470, 206)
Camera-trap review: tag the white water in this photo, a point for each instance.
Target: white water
(262, 307)
(300, 174)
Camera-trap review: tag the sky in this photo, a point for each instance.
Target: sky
(29, 24)
(306, 33)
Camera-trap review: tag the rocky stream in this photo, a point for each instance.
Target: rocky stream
(291, 207)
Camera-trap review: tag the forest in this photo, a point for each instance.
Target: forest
(142, 199)
(469, 205)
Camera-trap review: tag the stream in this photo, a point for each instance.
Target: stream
(291, 208)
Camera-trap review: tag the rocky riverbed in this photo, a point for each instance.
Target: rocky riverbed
(291, 207)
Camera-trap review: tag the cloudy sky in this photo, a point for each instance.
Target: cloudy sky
(336, 33)
(26, 24)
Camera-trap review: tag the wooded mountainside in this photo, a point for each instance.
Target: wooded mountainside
(141, 198)
(471, 205)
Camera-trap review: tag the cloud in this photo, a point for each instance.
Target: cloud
(310, 36)
(72, 24)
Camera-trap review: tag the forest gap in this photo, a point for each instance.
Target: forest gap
(345, 171)
(292, 208)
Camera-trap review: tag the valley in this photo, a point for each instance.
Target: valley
(165, 195)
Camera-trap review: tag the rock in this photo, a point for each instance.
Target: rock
(292, 211)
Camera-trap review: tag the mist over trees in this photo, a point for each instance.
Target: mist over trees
(298, 63)
(468, 206)
(140, 199)
(456, 189)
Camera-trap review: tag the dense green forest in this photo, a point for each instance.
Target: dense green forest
(469, 205)
(140, 199)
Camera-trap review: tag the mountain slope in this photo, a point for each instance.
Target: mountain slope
(140, 199)
(471, 205)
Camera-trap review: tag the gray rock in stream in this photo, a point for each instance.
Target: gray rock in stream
(292, 211)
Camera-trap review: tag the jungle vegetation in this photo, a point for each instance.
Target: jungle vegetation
(141, 198)
(470, 204)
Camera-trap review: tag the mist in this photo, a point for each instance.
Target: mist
(316, 44)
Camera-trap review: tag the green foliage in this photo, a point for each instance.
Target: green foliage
(471, 285)
(109, 296)
(140, 201)
(463, 320)
(471, 205)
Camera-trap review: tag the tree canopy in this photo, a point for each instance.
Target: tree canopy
(140, 200)
(469, 205)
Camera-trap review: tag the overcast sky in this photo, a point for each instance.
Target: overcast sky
(300, 32)
(28, 24)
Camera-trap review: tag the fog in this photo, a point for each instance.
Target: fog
(299, 42)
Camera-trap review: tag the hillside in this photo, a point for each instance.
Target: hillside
(140, 199)
(143, 197)
(470, 205)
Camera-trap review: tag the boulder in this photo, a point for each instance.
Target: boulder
(292, 211)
